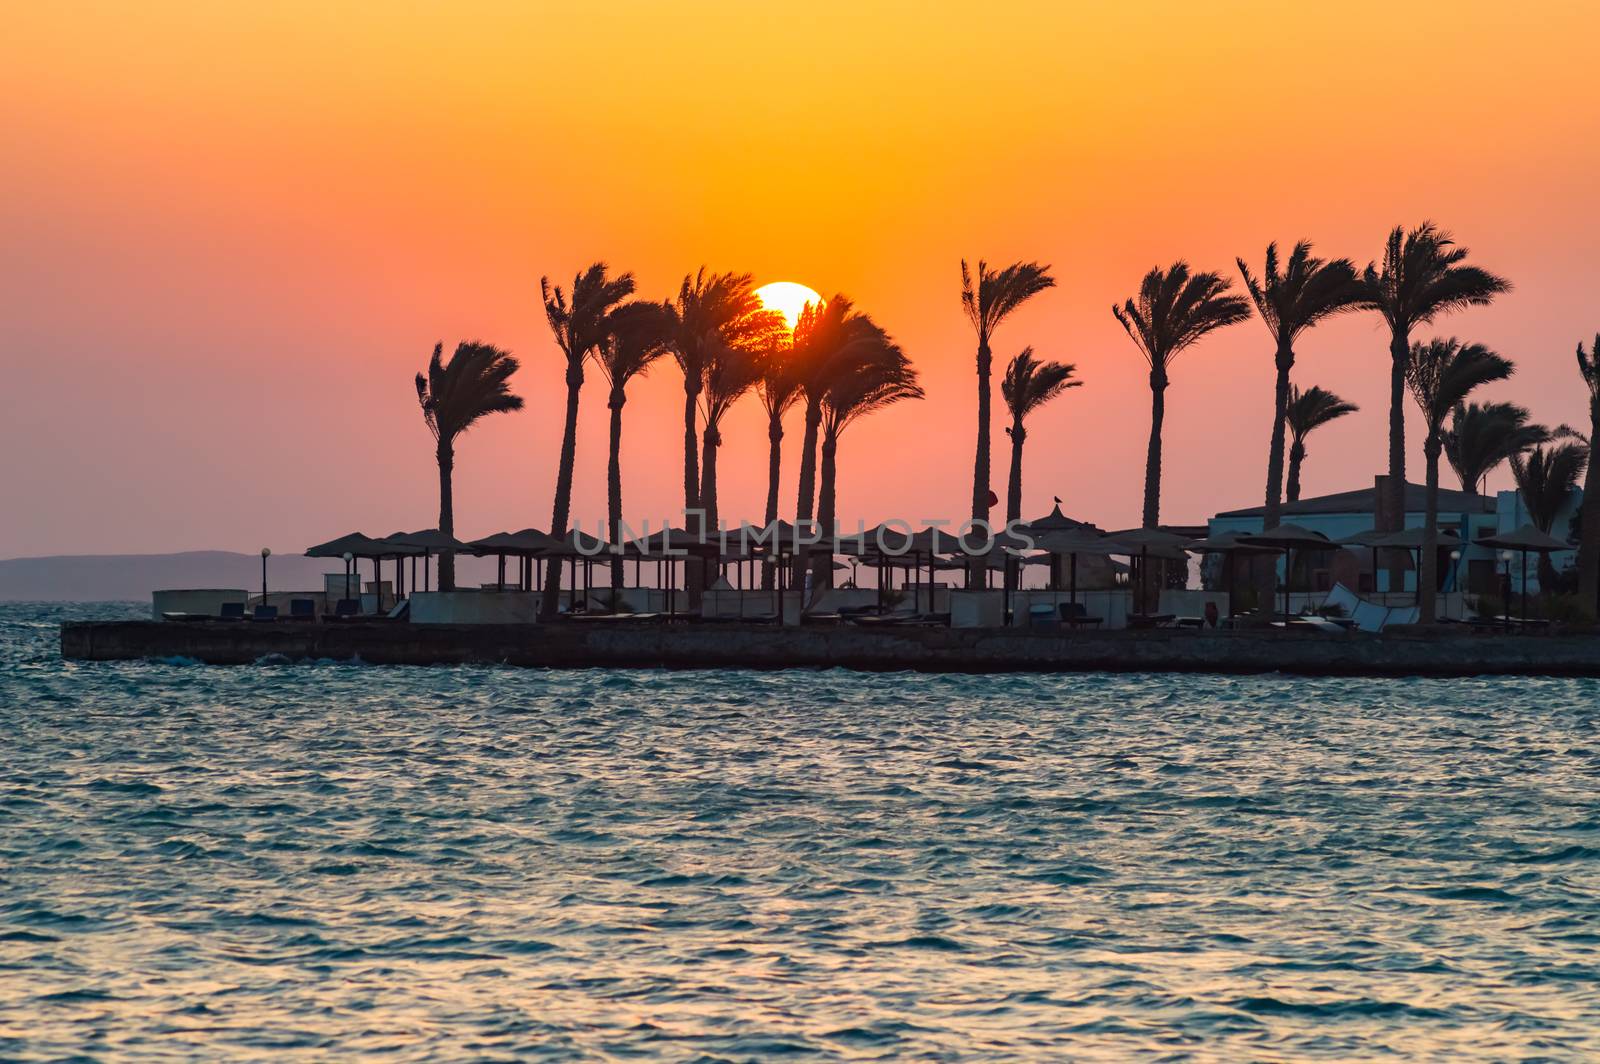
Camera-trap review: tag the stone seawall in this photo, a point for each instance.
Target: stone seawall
(623, 645)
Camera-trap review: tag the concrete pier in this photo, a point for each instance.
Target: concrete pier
(688, 646)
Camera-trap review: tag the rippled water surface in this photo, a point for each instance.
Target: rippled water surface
(308, 861)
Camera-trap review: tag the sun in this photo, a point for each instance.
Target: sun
(787, 298)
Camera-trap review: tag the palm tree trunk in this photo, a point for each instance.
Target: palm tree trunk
(447, 513)
(1152, 462)
(1399, 352)
(562, 508)
(1428, 570)
(1589, 515)
(774, 472)
(692, 567)
(614, 483)
(822, 563)
(1297, 455)
(806, 501)
(1014, 487)
(710, 439)
(1280, 414)
(980, 465)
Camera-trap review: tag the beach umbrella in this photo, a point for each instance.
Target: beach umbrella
(1410, 541)
(431, 541)
(1069, 543)
(1227, 544)
(1288, 538)
(1147, 543)
(358, 546)
(1525, 540)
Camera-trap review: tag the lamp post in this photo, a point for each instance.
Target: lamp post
(266, 552)
(1505, 556)
(348, 560)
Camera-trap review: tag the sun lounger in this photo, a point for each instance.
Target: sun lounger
(1043, 615)
(1076, 615)
(232, 611)
(302, 609)
(265, 613)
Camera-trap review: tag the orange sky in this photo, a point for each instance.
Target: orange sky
(232, 234)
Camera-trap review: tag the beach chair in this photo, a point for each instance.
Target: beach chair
(302, 609)
(232, 611)
(265, 613)
(347, 608)
(1043, 615)
(1075, 615)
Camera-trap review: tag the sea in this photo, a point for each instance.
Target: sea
(312, 861)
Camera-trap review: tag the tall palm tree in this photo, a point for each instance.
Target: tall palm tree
(1307, 411)
(826, 337)
(1173, 310)
(1546, 477)
(727, 375)
(1290, 301)
(637, 335)
(1423, 275)
(1441, 374)
(1028, 385)
(874, 374)
(987, 303)
(454, 395)
(1480, 437)
(778, 389)
(579, 326)
(1589, 536)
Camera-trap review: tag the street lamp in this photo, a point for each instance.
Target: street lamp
(348, 560)
(266, 552)
(1505, 556)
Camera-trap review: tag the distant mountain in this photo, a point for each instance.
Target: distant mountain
(132, 577)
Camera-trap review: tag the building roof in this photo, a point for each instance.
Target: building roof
(1361, 502)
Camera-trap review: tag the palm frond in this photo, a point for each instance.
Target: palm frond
(1546, 477)
(1312, 408)
(1174, 309)
(1029, 383)
(1441, 373)
(475, 382)
(1479, 438)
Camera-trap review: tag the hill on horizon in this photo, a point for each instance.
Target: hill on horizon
(133, 577)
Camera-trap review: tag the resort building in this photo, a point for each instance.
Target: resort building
(1473, 569)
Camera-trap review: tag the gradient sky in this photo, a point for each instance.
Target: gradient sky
(232, 233)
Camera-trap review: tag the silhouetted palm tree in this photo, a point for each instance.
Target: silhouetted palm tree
(1546, 477)
(779, 389)
(874, 374)
(637, 335)
(988, 303)
(1028, 385)
(1421, 277)
(1172, 310)
(1589, 531)
(1309, 410)
(1441, 374)
(1291, 301)
(454, 395)
(825, 337)
(579, 326)
(728, 375)
(1479, 438)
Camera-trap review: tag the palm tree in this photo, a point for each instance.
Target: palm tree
(1291, 301)
(1422, 276)
(1172, 310)
(825, 337)
(1028, 385)
(1589, 534)
(636, 337)
(1441, 374)
(1307, 411)
(874, 373)
(579, 326)
(1480, 437)
(454, 395)
(988, 303)
(778, 389)
(1546, 477)
(727, 375)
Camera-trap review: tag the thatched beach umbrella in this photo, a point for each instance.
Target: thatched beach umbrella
(431, 541)
(1288, 538)
(1526, 540)
(1228, 545)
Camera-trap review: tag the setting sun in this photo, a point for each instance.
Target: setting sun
(787, 298)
